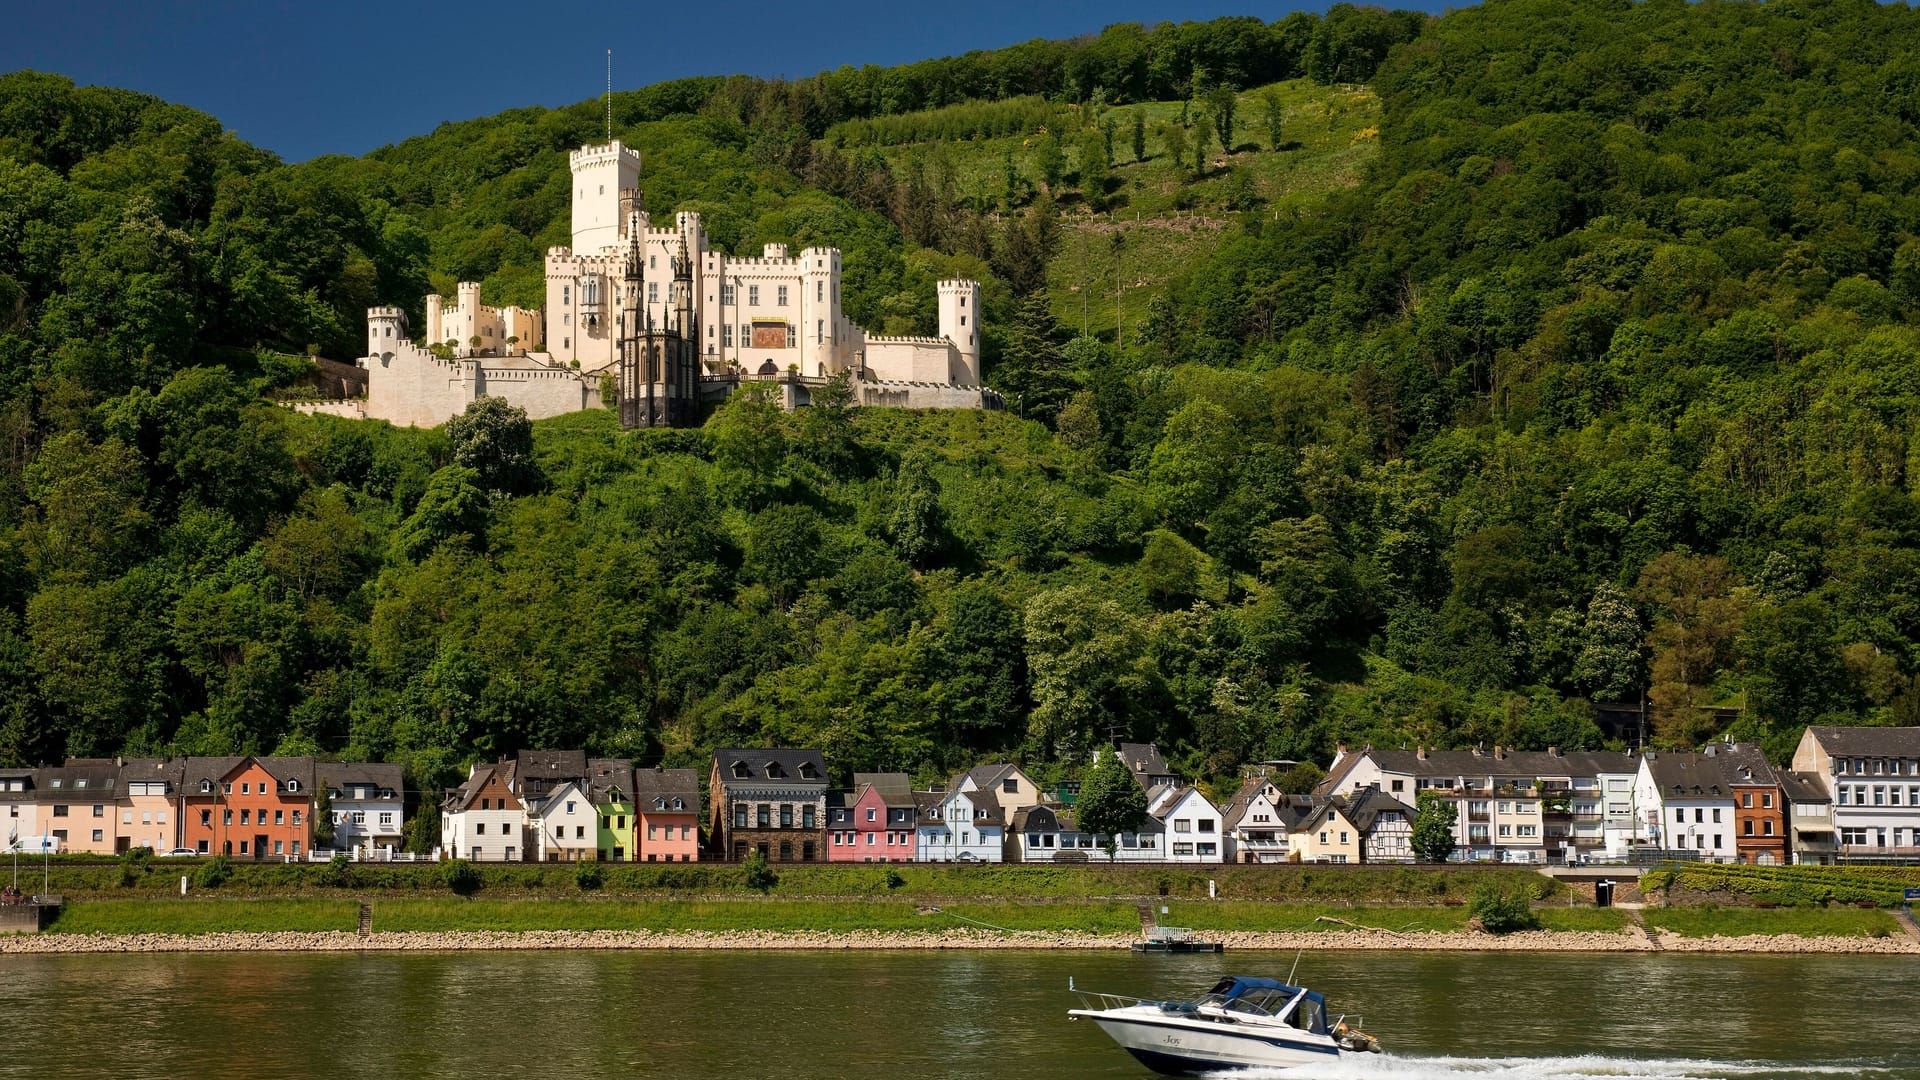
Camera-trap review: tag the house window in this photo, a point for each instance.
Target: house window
(1699, 815)
(1766, 800)
(296, 817)
(479, 828)
(579, 832)
(243, 816)
(870, 813)
(786, 815)
(739, 817)
(99, 835)
(806, 818)
(1716, 815)
(1323, 839)
(279, 817)
(206, 819)
(279, 847)
(763, 815)
(385, 819)
(1746, 799)
(1206, 824)
(1182, 825)
(1766, 827)
(1748, 826)
(99, 810)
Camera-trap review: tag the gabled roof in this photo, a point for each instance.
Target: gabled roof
(556, 797)
(1365, 808)
(460, 799)
(214, 771)
(1805, 787)
(657, 784)
(797, 767)
(1173, 797)
(926, 802)
(287, 769)
(207, 771)
(1235, 809)
(28, 785)
(1893, 742)
(1319, 812)
(387, 781)
(987, 777)
(605, 776)
(1143, 759)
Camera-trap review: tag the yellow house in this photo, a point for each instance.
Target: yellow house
(1327, 835)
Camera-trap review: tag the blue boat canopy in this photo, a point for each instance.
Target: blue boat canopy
(1270, 996)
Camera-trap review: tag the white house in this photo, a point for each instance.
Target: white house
(1874, 777)
(958, 825)
(566, 824)
(482, 819)
(368, 806)
(20, 820)
(1040, 834)
(1684, 801)
(1194, 833)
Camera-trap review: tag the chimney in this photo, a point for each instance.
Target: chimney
(1499, 751)
(1476, 750)
(1420, 753)
(1553, 751)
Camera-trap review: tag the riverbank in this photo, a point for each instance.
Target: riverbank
(1633, 941)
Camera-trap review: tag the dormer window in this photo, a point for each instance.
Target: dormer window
(774, 771)
(806, 770)
(679, 804)
(740, 770)
(206, 786)
(659, 803)
(293, 785)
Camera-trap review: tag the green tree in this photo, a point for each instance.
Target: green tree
(1139, 133)
(1433, 820)
(749, 443)
(1031, 370)
(1170, 569)
(1111, 802)
(1611, 664)
(827, 434)
(494, 438)
(323, 816)
(1222, 102)
(1051, 161)
(1084, 653)
(1274, 113)
(915, 524)
(784, 550)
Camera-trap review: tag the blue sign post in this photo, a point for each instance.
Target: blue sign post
(1911, 896)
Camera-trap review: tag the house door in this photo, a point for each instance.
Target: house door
(121, 844)
(259, 846)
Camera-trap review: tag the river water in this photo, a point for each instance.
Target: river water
(1000, 1015)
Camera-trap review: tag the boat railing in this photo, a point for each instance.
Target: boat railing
(1354, 1020)
(1096, 1001)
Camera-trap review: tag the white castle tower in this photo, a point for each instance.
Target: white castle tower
(386, 328)
(600, 174)
(960, 324)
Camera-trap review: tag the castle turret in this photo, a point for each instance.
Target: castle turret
(434, 335)
(960, 324)
(600, 175)
(386, 327)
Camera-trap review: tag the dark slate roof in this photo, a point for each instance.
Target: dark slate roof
(388, 781)
(1713, 772)
(167, 770)
(668, 784)
(29, 789)
(81, 778)
(533, 773)
(788, 766)
(1143, 759)
(1042, 819)
(1805, 787)
(1896, 742)
(209, 770)
(1236, 808)
(606, 775)
(1512, 764)
(985, 777)
(926, 802)
(284, 769)
(1365, 807)
(895, 788)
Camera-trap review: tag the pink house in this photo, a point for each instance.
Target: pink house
(666, 805)
(874, 822)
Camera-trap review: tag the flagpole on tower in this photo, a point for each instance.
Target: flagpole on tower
(609, 95)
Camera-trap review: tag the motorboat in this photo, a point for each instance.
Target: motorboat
(1241, 1023)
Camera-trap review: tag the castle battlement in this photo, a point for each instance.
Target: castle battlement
(958, 285)
(877, 339)
(592, 155)
(384, 313)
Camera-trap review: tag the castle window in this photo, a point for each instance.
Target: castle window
(726, 294)
(963, 320)
(566, 294)
(783, 296)
(819, 331)
(792, 336)
(653, 292)
(753, 295)
(819, 292)
(603, 189)
(566, 343)
(726, 335)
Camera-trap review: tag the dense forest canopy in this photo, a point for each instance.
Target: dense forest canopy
(1599, 388)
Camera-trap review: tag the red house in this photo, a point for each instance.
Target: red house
(874, 822)
(248, 807)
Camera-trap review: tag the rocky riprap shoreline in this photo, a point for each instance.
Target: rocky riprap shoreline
(494, 940)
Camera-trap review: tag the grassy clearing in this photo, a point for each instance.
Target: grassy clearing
(1240, 915)
(1167, 217)
(718, 915)
(1709, 921)
(186, 916)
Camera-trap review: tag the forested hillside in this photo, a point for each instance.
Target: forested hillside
(1569, 360)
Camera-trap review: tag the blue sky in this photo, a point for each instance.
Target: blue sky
(304, 79)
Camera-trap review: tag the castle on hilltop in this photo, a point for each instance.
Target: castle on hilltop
(654, 321)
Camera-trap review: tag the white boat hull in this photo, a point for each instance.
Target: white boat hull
(1181, 1046)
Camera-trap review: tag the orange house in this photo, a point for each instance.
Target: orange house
(248, 807)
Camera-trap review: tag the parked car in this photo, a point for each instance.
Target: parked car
(966, 856)
(179, 853)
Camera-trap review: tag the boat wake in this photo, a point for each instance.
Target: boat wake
(1587, 1067)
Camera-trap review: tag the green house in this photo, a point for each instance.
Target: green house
(611, 787)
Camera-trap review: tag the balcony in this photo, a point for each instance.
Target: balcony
(1479, 815)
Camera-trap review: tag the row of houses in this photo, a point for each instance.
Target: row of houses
(244, 806)
(1851, 794)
